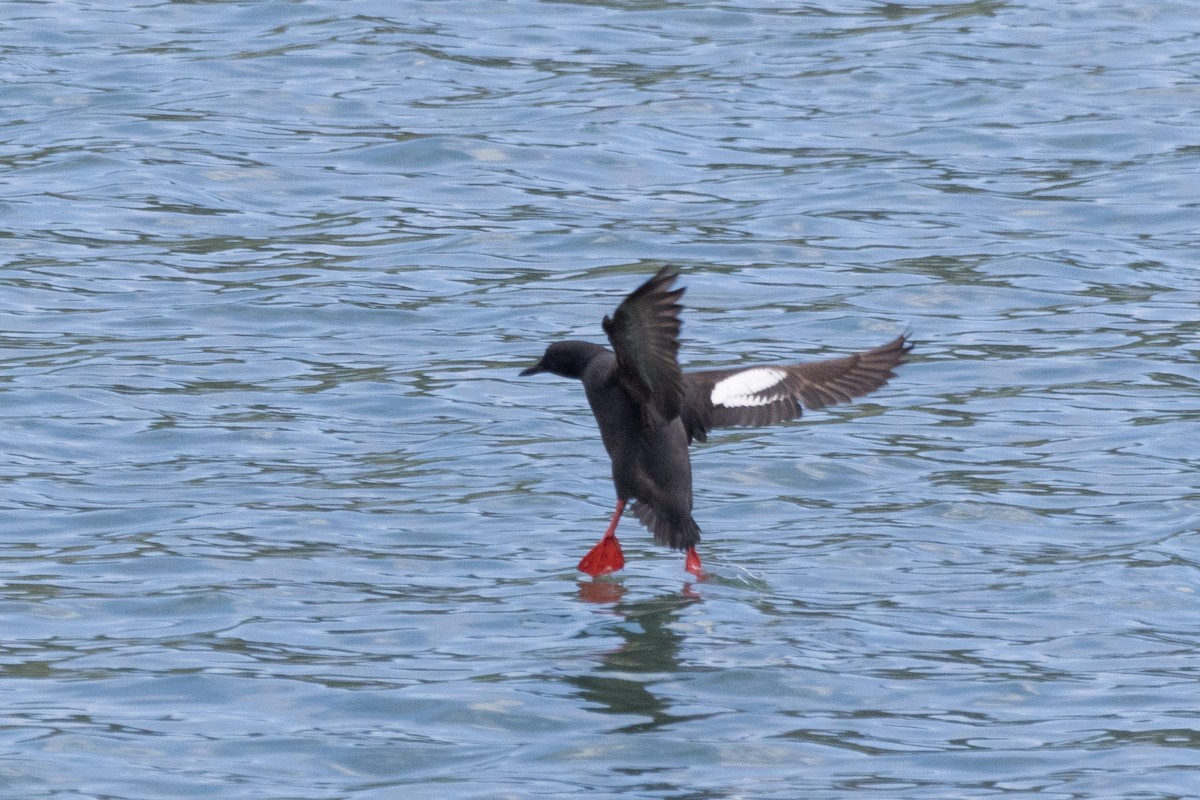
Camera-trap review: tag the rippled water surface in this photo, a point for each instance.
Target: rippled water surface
(279, 520)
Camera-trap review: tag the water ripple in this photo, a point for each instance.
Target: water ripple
(279, 519)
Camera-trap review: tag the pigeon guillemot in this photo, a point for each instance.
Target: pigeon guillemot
(649, 411)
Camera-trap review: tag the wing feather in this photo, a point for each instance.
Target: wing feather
(765, 394)
(644, 332)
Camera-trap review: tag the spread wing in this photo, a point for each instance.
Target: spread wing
(763, 395)
(644, 331)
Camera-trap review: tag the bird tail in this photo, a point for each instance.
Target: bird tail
(677, 531)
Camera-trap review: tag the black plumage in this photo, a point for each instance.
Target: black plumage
(648, 410)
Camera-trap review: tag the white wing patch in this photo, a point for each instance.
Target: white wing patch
(747, 388)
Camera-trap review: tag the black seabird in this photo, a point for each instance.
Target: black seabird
(649, 411)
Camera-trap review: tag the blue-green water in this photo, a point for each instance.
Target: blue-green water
(278, 519)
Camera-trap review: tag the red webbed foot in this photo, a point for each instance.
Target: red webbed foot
(604, 558)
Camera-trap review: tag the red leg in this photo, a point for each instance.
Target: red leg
(692, 564)
(606, 556)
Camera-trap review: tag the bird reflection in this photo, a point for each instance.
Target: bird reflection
(621, 683)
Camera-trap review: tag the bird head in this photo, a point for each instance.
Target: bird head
(568, 359)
